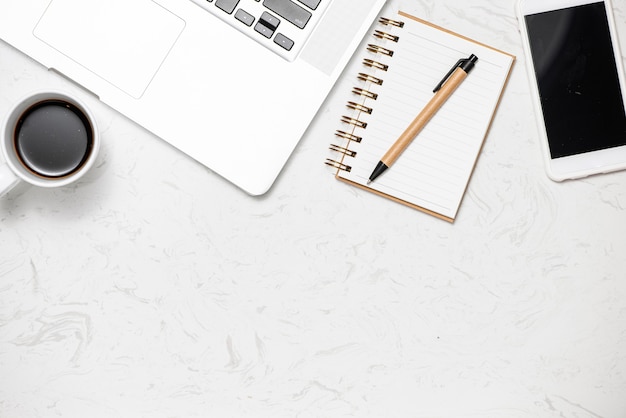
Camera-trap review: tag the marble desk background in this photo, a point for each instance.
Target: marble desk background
(153, 288)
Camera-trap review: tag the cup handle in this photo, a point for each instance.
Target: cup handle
(8, 180)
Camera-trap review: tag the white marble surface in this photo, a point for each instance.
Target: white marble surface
(153, 288)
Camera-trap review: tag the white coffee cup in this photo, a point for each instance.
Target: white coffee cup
(48, 139)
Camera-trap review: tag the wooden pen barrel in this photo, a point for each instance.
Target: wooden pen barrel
(424, 116)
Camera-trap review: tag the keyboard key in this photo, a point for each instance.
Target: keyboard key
(227, 5)
(270, 21)
(289, 11)
(244, 17)
(311, 4)
(283, 41)
(264, 30)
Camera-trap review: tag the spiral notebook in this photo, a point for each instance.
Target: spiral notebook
(405, 61)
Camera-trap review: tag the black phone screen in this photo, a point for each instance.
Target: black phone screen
(579, 89)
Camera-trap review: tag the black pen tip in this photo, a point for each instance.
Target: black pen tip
(380, 168)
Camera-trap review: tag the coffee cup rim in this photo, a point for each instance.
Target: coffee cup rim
(8, 127)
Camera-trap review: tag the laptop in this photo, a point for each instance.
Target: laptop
(234, 84)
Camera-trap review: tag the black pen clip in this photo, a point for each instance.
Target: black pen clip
(465, 63)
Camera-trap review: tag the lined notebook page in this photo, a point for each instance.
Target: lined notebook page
(433, 172)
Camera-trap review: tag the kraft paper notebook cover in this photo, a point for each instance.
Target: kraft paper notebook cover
(406, 60)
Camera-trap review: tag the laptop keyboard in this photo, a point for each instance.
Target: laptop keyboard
(283, 26)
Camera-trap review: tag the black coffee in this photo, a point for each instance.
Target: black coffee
(53, 138)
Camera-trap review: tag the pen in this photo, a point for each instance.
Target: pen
(443, 91)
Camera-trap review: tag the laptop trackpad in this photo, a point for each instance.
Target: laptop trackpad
(121, 41)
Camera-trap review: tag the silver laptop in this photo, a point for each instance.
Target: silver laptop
(232, 83)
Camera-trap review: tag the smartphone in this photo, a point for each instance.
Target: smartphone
(577, 85)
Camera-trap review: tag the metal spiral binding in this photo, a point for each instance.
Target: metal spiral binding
(348, 136)
(390, 22)
(375, 64)
(363, 92)
(359, 107)
(370, 78)
(384, 35)
(342, 150)
(353, 121)
(338, 165)
(377, 49)
(345, 150)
